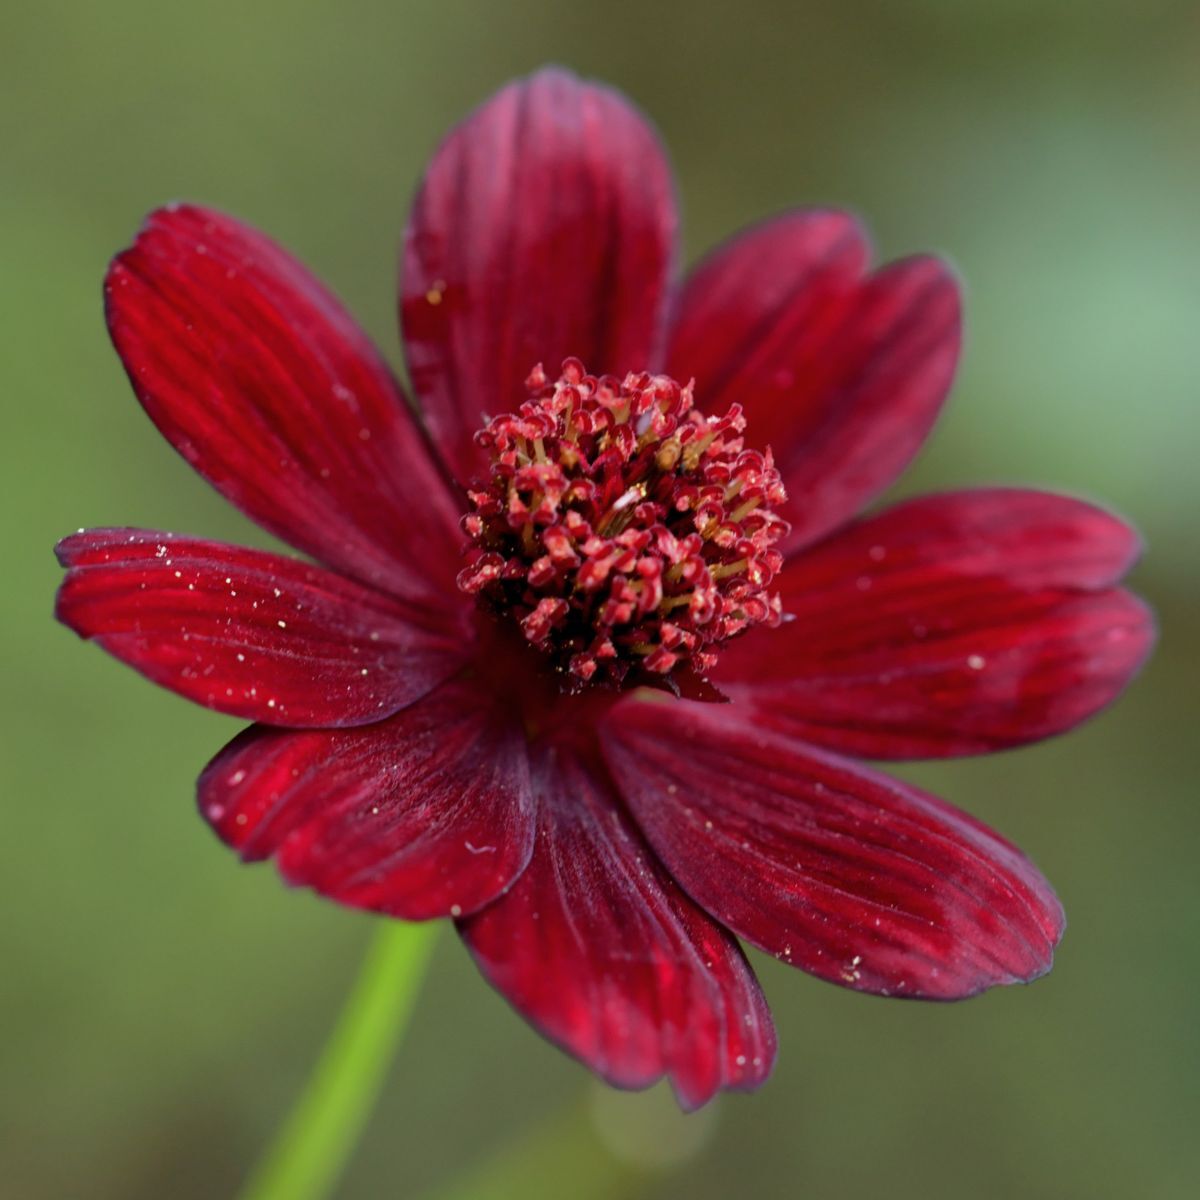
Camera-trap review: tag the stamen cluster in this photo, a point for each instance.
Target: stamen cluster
(627, 533)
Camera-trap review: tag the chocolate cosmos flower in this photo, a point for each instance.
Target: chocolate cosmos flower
(585, 665)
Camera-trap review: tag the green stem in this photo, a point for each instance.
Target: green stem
(310, 1151)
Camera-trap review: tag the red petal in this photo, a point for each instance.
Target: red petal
(253, 634)
(953, 624)
(1029, 538)
(544, 228)
(597, 947)
(261, 380)
(858, 878)
(841, 373)
(428, 814)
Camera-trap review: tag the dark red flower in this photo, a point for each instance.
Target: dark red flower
(581, 673)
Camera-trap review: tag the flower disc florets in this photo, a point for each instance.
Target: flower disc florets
(626, 532)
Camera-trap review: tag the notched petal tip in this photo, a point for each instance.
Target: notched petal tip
(856, 878)
(842, 372)
(253, 634)
(951, 624)
(576, 266)
(597, 947)
(262, 381)
(67, 548)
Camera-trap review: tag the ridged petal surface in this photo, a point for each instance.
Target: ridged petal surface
(952, 624)
(252, 634)
(599, 949)
(840, 371)
(859, 879)
(428, 814)
(268, 388)
(544, 227)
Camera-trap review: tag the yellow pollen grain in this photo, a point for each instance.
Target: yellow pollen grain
(691, 456)
(725, 569)
(668, 455)
(744, 510)
(436, 293)
(675, 601)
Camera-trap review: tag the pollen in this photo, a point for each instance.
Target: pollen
(627, 534)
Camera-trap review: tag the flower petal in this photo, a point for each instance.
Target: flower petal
(857, 878)
(427, 814)
(841, 373)
(948, 625)
(1029, 538)
(268, 388)
(544, 227)
(597, 947)
(251, 634)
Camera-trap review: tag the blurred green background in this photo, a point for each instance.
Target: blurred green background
(161, 1006)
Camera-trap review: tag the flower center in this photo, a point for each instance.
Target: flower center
(628, 534)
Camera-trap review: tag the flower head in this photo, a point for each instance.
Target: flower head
(585, 656)
(629, 533)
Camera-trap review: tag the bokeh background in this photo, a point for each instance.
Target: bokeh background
(160, 1007)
